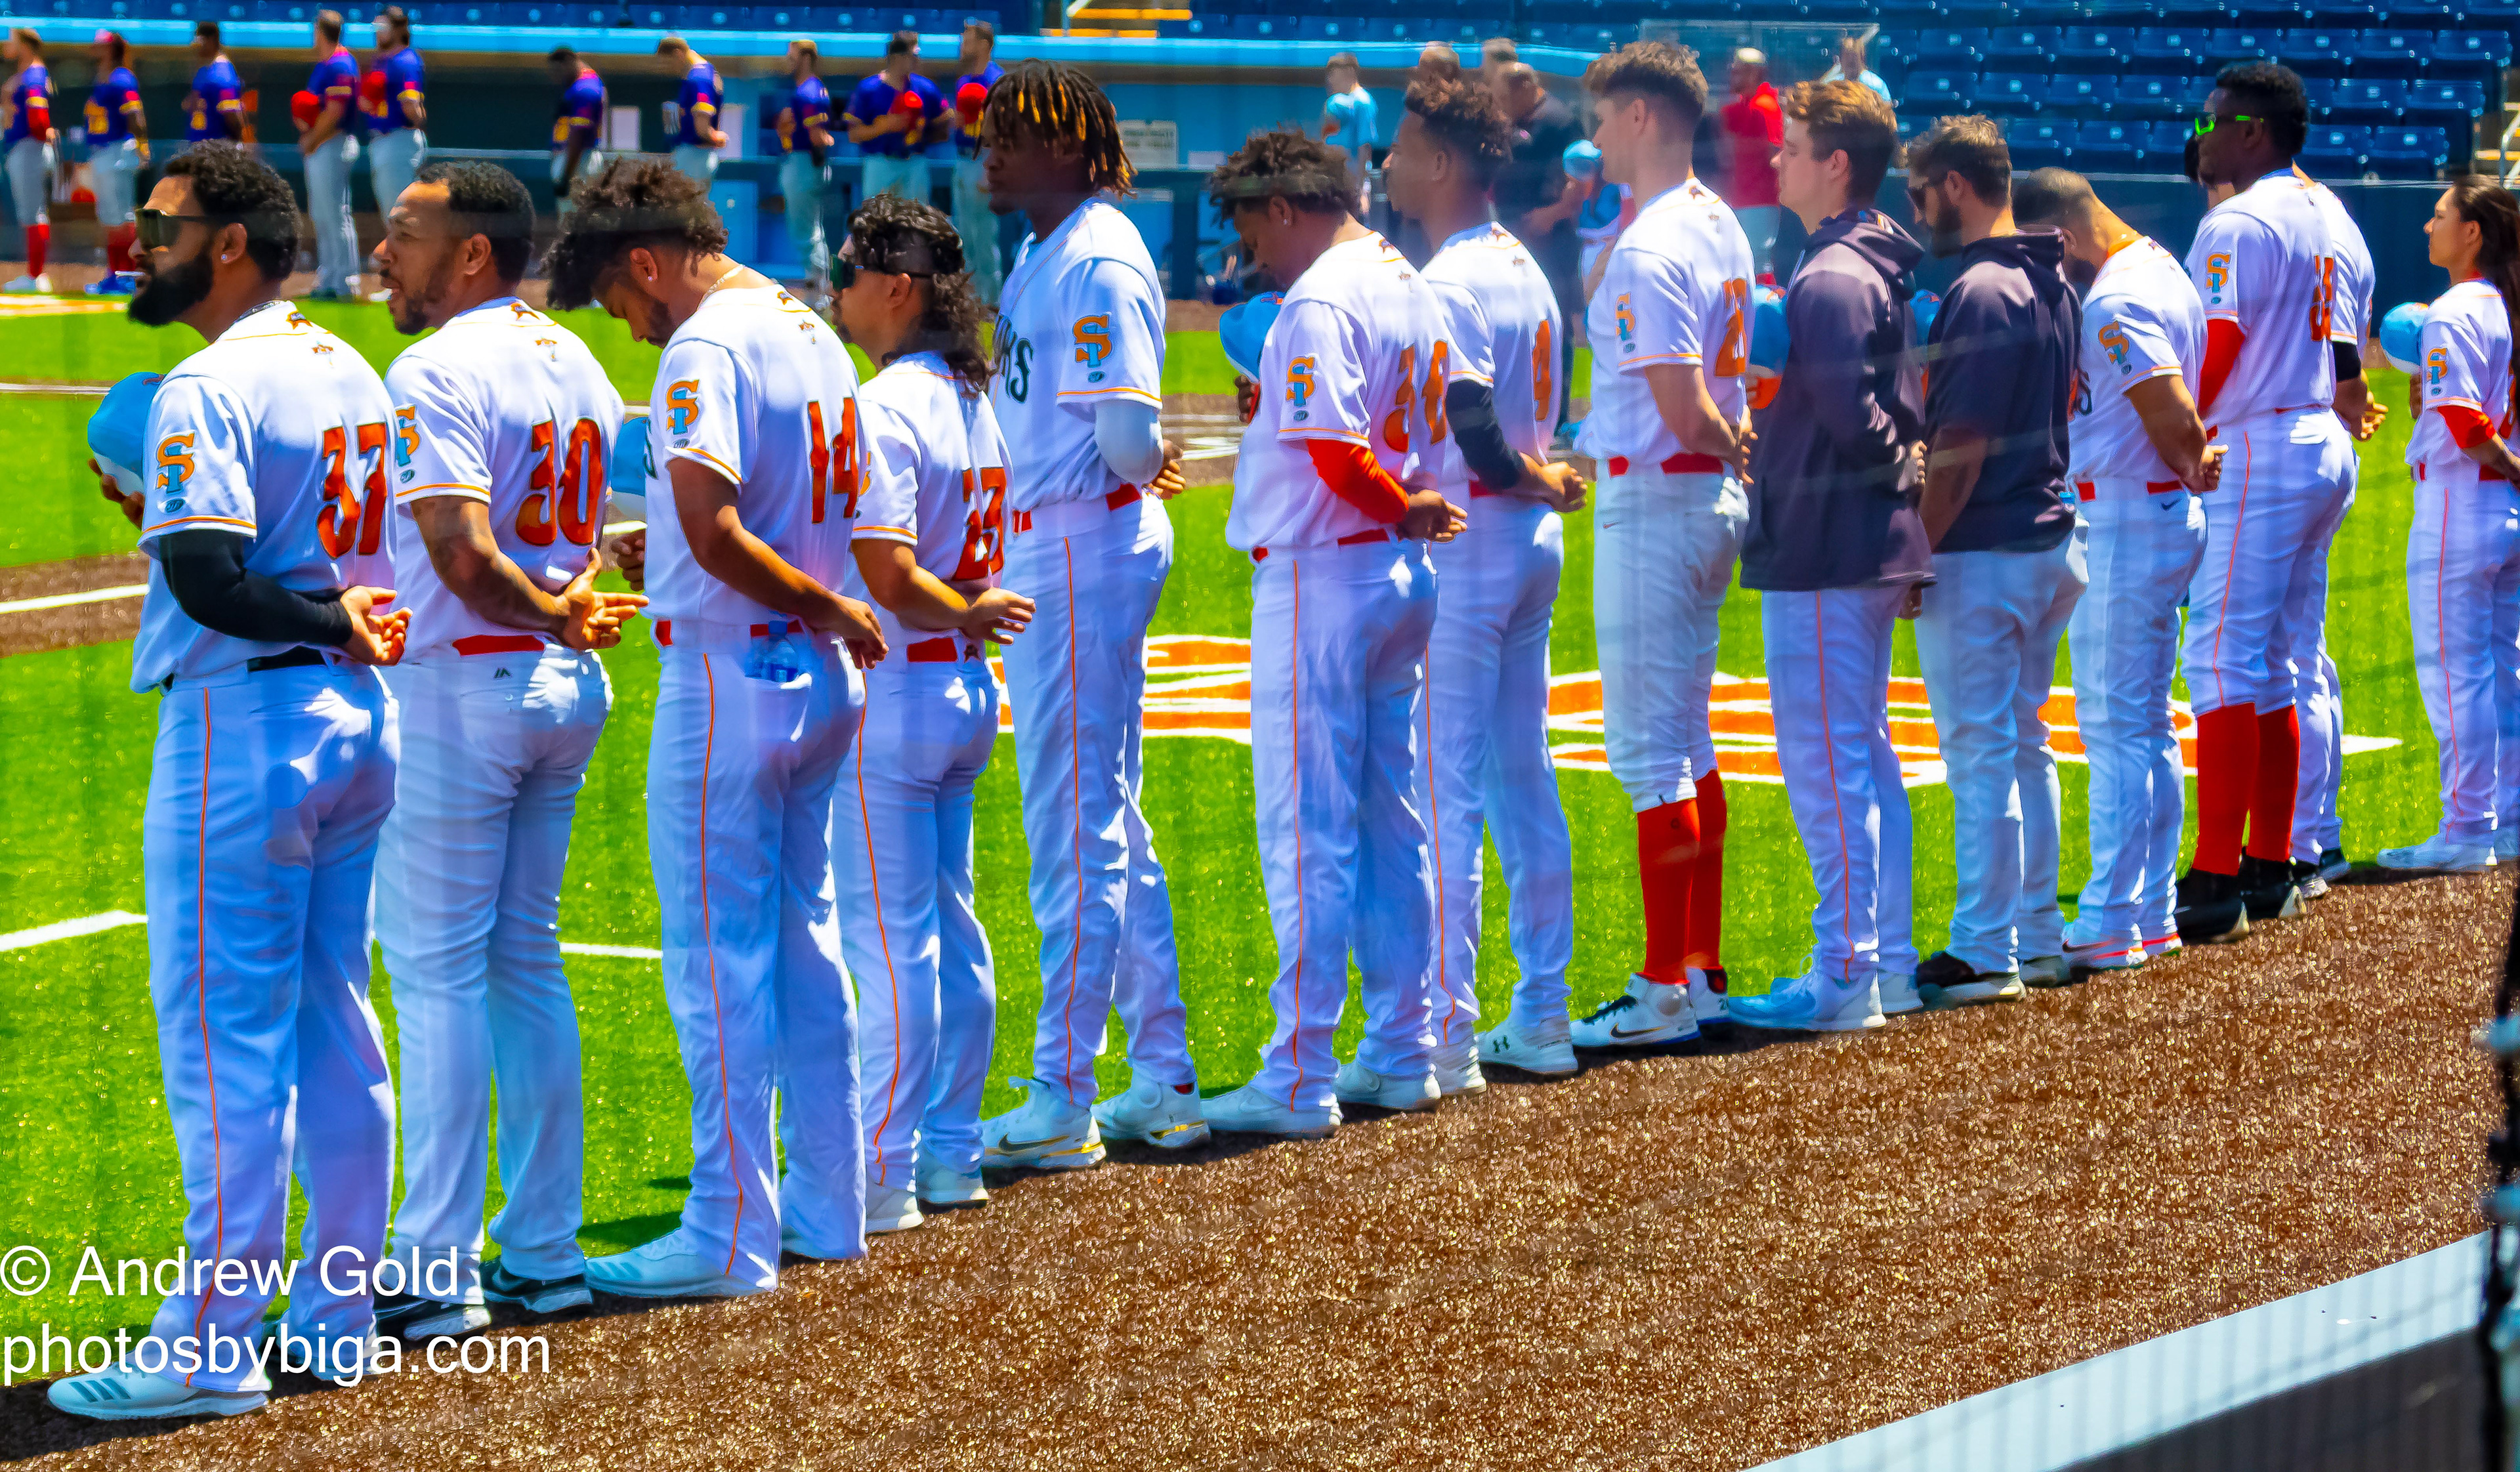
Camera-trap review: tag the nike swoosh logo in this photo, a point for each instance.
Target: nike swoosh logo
(1029, 1144)
(1633, 1032)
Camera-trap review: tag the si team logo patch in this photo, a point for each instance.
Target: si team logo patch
(682, 406)
(1626, 317)
(2436, 368)
(2217, 277)
(174, 468)
(2113, 341)
(1300, 384)
(1094, 339)
(406, 436)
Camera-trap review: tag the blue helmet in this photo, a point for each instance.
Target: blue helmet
(1582, 160)
(1766, 331)
(118, 432)
(2401, 334)
(1244, 327)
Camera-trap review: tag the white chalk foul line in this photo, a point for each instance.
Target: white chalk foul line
(626, 953)
(65, 600)
(115, 919)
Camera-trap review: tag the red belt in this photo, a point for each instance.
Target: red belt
(2086, 491)
(1352, 539)
(1682, 463)
(499, 644)
(1022, 521)
(2483, 473)
(665, 630)
(946, 650)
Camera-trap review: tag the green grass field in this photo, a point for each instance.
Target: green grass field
(86, 1157)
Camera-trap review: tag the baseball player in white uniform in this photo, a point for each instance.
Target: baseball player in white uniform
(274, 769)
(753, 475)
(1488, 766)
(1670, 327)
(1079, 385)
(1333, 488)
(502, 432)
(2138, 448)
(2464, 545)
(2265, 268)
(929, 540)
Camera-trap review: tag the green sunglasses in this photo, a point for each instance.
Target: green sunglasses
(2209, 122)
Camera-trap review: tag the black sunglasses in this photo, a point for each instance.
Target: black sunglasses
(844, 273)
(160, 231)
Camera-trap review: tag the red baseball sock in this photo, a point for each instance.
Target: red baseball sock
(1667, 847)
(2278, 779)
(2227, 772)
(1706, 886)
(39, 243)
(117, 246)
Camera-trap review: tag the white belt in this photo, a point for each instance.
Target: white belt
(1066, 518)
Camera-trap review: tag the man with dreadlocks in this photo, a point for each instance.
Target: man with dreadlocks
(1079, 388)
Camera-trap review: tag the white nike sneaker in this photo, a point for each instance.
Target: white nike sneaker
(1456, 1070)
(1646, 1014)
(891, 1208)
(671, 1267)
(1813, 1003)
(1706, 996)
(1247, 1111)
(2507, 845)
(30, 285)
(1047, 1133)
(1166, 1116)
(2165, 944)
(1898, 990)
(1541, 1049)
(2087, 949)
(941, 1184)
(116, 1394)
(2441, 855)
(2045, 971)
(1359, 1085)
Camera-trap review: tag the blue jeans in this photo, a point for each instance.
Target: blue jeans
(697, 162)
(905, 176)
(392, 159)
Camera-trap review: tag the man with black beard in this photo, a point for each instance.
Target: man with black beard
(503, 424)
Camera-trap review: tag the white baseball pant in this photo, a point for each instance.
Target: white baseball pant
(31, 181)
(697, 162)
(1662, 559)
(116, 168)
(328, 205)
(265, 795)
(903, 174)
(2143, 549)
(1078, 682)
(494, 750)
(901, 852)
(801, 183)
(1338, 645)
(2286, 479)
(1488, 767)
(1828, 690)
(2463, 605)
(393, 159)
(1986, 644)
(2319, 695)
(977, 224)
(589, 164)
(740, 780)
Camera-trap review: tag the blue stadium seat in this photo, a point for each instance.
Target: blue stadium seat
(2018, 48)
(2451, 106)
(2316, 51)
(2123, 12)
(2145, 99)
(2223, 47)
(1973, 12)
(2092, 48)
(2371, 99)
(2108, 148)
(2079, 93)
(2401, 153)
(1264, 28)
(2392, 53)
(1935, 91)
(2421, 15)
(1839, 12)
(1331, 28)
(2164, 48)
(2038, 142)
(1386, 29)
(2335, 150)
(2165, 146)
(2267, 14)
(2008, 94)
(2477, 55)
(1950, 50)
(2345, 15)
(2047, 14)
(2489, 14)
(1784, 11)
(644, 17)
(686, 16)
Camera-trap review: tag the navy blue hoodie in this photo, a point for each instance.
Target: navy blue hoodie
(1832, 492)
(2000, 362)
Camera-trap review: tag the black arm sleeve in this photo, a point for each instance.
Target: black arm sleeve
(1470, 407)
(2348, 360)
(205, 572)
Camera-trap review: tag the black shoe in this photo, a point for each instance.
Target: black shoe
(405, 1316)
(2269, 886)
(2307, 879)
(2333, 864)
(1944, 981)
(535, 1295)
(2211, 908)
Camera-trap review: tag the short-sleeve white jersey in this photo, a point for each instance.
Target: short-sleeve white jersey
(2350, 320)
(2467, 363)
(1500, 318)
(936, 479)
(276, 433)
(2263, 261)
(2141, 320)
(1357, 354)
(503, 406)
(758, 388)
(1675, 290)
(1080, 324)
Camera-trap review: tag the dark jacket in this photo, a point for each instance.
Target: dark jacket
(1832, 490)
(2000, 362)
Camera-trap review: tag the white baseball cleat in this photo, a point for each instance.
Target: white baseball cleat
(1898, 992)
(1166, 1116)
(1707, 987)
(1247, 1111)
(122, 1394)
(1048, 1133)
(2441, 855)
(1541, 1049)
(1813, 1003)
(941, 1184)
(1944, 980)
(891, 1208)
(2333, 864)
(2045, 971)
(2167, 942)
(1359, 1085)
(1644, 1015)
(412, 1317)
(671, 1267)
(30, 285)
(2087, 949)
(1456, 1070)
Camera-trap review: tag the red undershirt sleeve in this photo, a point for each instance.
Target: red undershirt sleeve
(1352, 474)
(2222, 339)
(2466, 426)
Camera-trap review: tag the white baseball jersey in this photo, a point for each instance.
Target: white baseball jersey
(1677, 289)
(1500, 318)
(2141, 320)
(759, 389)
(936, 479)
(2263, 261)
(2467, 362)
(2350, 318)
(506, 407)
(277, 433)
(1080, 323)
(1357, 354)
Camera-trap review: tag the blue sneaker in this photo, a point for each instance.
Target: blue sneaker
(113, 283)
(1810, 1004)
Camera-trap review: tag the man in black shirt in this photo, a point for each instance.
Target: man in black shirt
(1532, 199)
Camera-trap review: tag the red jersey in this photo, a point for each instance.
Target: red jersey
(1756, 124)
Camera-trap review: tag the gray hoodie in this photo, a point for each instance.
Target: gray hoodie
(1832, 490)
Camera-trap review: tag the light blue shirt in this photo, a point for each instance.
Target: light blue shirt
(1353, 111)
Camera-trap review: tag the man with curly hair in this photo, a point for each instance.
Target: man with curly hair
(1488, 767)
(1334, 491)
(752, 475)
